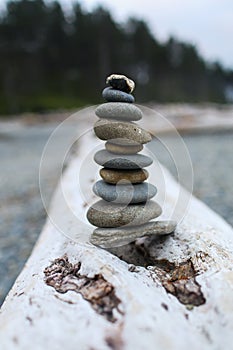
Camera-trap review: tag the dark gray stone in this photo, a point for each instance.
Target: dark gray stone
(113, 95)
(116, 237)
(105, 214)
(119, 111)
(122, 161)
(137, 193)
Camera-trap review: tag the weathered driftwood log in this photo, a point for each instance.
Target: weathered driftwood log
(167, 293)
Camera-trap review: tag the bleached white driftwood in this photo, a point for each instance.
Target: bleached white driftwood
(152, 308)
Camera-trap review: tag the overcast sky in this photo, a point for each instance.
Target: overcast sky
(206, 23)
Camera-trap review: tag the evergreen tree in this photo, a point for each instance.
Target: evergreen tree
(49, 59)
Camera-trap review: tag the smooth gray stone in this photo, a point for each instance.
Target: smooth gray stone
(111, 129)
(121, 82)
(119, 146)
(131, 193)
(105, 214)
(122, 161)
(113, 95)
(116, 237)
(124, 142)
(119, 111)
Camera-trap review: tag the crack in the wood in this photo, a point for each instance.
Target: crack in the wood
(64, 276)
(177, 279)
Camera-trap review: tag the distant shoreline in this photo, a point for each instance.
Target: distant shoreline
(195, 131)
(187, 119)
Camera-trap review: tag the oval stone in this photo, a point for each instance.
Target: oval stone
(138, 193)
(118, 111)
(113, 95)
(107, 130)
(122, 161)
(116, 237)
(124, 176)
(104, 214)
(123, 147)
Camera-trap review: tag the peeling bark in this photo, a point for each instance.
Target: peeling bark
(177, 279)
(180, 281)
(64, 276)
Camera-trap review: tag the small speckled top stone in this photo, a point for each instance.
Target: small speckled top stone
(107, 130)
(119, 111)
(113, 95)
(121, 82)
(122, 161)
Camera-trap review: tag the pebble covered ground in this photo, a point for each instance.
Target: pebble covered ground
(212, 161)
(21, 211)
(22, 214)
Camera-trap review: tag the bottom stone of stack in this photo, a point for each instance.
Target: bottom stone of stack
(116, 237)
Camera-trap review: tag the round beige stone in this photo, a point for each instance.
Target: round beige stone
(114, 176)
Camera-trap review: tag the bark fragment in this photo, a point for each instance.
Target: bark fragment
(178, 279)
(64, 276)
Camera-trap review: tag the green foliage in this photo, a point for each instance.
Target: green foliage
(49, 60)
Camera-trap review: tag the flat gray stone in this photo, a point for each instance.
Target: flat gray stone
(119, 111)
(113, 95)
(137, 193)
(122, 161)
(121, 147)
(104, 214)
(113, 176)
(116, 237)
(111, 129)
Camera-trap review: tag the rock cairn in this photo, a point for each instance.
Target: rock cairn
(125, 210)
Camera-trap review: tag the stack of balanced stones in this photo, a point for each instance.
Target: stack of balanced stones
(125, 210)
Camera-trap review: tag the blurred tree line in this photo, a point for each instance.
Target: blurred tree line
(49, 60)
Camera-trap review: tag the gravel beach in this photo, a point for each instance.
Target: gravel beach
(22, 214)
(21, 211)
